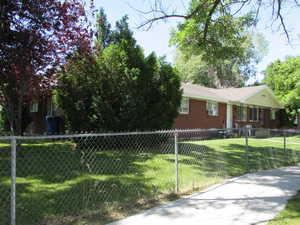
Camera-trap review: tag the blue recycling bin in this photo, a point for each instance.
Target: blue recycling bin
(52, 124)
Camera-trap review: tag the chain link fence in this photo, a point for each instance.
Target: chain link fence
(96, 178)
(5, 179)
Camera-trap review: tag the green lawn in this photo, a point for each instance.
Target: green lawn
(290, 215)
(58, 183)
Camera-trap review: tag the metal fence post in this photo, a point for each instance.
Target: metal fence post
(13, 181)
(284, 147)
(247, 148)
(284, 141)
(176, 162)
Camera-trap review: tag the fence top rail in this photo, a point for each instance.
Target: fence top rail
(113, 134)
(178, 131)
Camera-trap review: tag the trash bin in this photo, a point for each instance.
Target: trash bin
(52, 124)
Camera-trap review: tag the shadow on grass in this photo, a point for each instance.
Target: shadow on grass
(233, 159)
(4, 190)
(56, 183)
(211, 160)
(59, 184)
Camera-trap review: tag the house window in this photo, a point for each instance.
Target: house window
(254, 114)
(242, 113)
(184, 106)
(273, 114)
(296, 121)
(34, 107)
(212, 108)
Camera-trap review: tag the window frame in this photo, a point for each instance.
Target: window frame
(184, 108)
(216, 113)
(296, 120)
(34, 107)
(273, 114)
(244, 111)
(251, 114)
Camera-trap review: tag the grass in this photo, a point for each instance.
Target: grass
(59, 183)
(290, 215)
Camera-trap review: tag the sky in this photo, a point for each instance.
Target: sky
(157, 38)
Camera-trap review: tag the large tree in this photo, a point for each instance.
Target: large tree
(118, 88)
(35, 38)
(216, 32)
(283, 77)
(209, 13)
(103, 30)
(233, 69)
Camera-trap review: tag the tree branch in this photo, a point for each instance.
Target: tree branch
(158, 12)
(284, 27)
(190, 15)
(297, 3)
(257, 10)
(164, 15)
(150, 22)
(208, 19)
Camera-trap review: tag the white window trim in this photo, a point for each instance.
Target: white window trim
(296, 120)
(273, 112)
(245, 109)
(257, 116)
(187, 106)
(207, 108)
(34, 107)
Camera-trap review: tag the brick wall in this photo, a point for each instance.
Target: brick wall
(263, 122)
(199, 118)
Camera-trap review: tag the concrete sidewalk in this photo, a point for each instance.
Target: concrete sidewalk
(246, 200)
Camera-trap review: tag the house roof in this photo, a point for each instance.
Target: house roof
(200, 92)
(245, 95)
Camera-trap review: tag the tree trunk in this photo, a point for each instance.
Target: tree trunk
(19, 116)
(10, 113)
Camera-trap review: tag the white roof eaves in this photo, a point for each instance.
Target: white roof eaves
(264, 87)
(237, 102)
(253, 93)
(272, 94)
(205, 98)
(280, 106)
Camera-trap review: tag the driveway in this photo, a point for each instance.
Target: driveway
(251, 199)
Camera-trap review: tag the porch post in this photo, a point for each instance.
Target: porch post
(229, 116)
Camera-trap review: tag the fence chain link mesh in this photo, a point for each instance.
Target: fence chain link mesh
(5, 181)
(96, 178)
(270, 149)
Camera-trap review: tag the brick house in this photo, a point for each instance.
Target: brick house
(201, 107)
(38, 112)
(204, 108)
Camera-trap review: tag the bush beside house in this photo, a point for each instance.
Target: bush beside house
(118, 88)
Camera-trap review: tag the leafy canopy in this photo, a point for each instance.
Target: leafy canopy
(35, 38)
(283, 77)
(211, 12)
(227, 55)
(118, 88)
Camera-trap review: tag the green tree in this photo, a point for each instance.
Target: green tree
(36, 36)
(194, 70)
(231, 70)
(119, 89)
(226, 55)
(213, 13)
(283, 77)
(103, 30)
